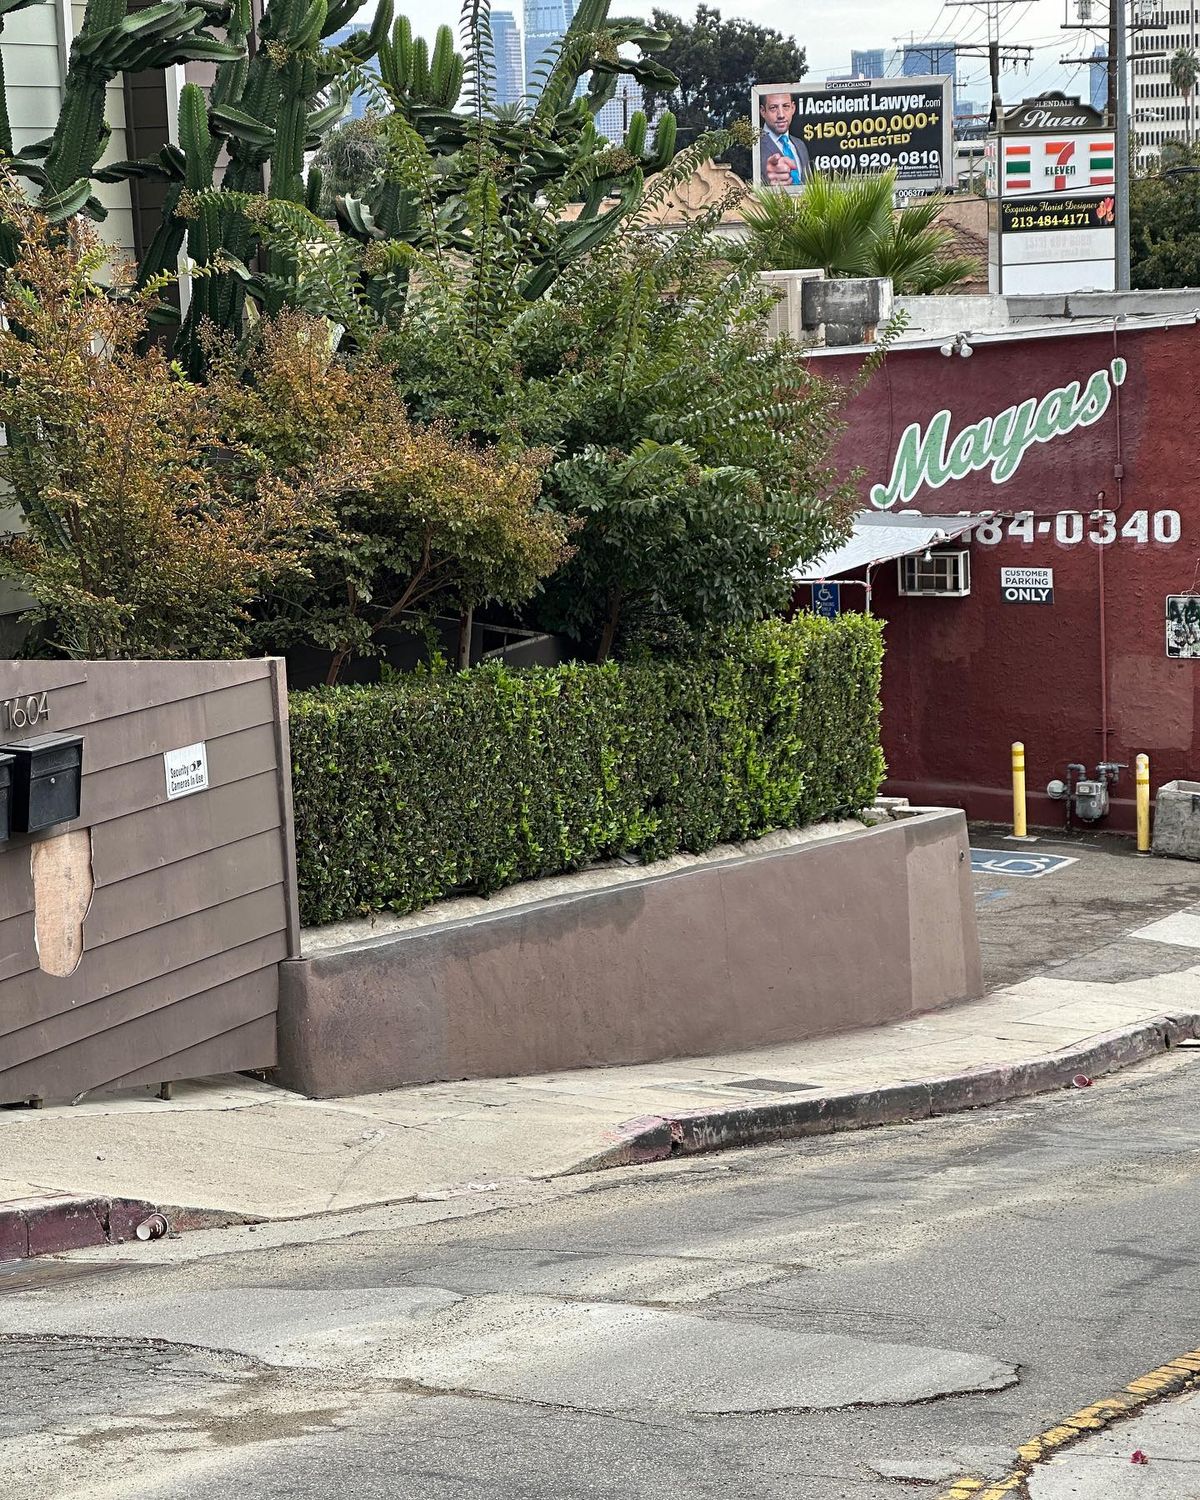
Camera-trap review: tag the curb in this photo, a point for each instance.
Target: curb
(1176, 1376)
(652, 1138)
(56, 1222)
(59, 1221)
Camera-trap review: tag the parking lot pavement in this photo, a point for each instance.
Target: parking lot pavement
(1069, 907)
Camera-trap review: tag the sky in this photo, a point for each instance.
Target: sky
(829, 30)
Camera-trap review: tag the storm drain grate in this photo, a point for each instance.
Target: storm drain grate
(770, 1085)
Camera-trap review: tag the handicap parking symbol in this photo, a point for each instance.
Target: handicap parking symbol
(1022, 866)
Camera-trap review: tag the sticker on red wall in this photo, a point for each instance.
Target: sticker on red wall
(1027, 585)
(1183, 626)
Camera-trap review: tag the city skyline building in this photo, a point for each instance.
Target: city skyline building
(868, 62)
(543, 25)
(509, 58)
(1161, 116)
(935, 59)
(1098, 76)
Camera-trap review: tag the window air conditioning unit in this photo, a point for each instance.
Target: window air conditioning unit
(947, 574)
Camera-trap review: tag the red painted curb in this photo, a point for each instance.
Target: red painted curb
(56, 1222)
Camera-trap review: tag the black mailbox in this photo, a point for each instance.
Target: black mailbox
(46, 774)
(6, 765)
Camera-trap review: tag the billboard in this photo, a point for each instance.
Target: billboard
(861, 128)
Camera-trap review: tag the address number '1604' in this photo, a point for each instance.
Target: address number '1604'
(1069, 527)
(23, 713)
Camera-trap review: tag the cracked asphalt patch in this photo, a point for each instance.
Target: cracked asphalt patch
(156, 1403)
(444, 1352)
(594, 1356)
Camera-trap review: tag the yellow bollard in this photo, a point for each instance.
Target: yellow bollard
(1018, 775)
(1143, 804)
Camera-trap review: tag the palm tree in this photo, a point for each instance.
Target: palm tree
(1184, 73)
(848, 227)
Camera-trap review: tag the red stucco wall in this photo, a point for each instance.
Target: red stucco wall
(965, 677)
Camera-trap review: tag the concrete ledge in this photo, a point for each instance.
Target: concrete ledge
(655, 1138)
(849, 930)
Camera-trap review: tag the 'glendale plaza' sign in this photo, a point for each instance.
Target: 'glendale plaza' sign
(927, 455)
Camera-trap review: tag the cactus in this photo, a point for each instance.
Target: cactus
(109, 43)
(550, 146)
(266, 110)
(269, 104)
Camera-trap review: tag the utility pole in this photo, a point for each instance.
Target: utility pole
(1121, 165)
(1145, 17)
(1114, 10)
(994, 52)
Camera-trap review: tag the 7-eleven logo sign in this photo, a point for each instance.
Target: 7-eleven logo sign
(1101, 163)
(1066, 162)
(1060, 168)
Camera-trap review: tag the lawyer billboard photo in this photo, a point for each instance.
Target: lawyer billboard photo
(901, 125)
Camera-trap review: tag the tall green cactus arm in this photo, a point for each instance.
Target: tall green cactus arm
(230, 82)
(635, 136)
(445, 71)
(364, 45)
(664, 142)
(395, 61)
(111, 42)
(341, 13)
(419, 86)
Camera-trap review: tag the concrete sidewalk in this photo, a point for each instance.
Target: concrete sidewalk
(1109, 993)
(246, 1148)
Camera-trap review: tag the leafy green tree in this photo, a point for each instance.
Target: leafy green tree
(717, 61)
(136, 544)
(693, 458)
(850, 228)
(416, 520)
(1183, 75)
(522, 166)
(290, 498)
(1164, 221)
(700, 463)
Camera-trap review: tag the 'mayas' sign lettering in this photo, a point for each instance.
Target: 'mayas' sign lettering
(928, 456)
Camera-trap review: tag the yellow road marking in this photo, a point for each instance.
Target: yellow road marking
(1179, 1374)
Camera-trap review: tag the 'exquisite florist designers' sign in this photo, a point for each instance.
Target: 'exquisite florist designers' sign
(927, 455)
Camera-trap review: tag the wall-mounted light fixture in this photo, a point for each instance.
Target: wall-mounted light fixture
(959, 345)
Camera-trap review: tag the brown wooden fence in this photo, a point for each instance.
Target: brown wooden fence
(148, 950)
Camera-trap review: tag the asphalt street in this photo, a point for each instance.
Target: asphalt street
(868, 1315)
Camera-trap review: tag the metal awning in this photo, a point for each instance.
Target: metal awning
(880, 535)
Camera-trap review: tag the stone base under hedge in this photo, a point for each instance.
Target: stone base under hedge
(840, 930)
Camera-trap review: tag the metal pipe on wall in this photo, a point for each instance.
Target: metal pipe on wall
(1102, 632)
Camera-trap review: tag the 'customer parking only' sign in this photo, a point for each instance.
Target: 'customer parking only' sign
(1027, 585)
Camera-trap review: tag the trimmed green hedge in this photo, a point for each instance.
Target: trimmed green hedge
(438, 784)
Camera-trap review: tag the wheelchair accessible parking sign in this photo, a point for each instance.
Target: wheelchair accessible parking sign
(1017, 866)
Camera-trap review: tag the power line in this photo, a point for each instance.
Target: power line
(997, 53)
